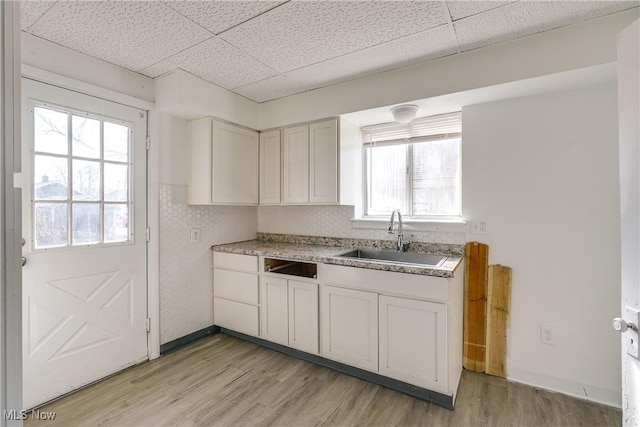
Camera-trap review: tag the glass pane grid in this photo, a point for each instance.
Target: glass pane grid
(428, 174)
(81, 178)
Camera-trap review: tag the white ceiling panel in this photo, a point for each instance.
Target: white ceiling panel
(301, 33)
(272, 88)
(31, 10)
(412, 49)
(462, 9)
(217, 61)
(529, 17)
(131, 34)
(217, 16)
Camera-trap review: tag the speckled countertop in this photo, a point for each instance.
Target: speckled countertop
(326, 250)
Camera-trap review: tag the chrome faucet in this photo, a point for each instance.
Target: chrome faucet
(401, 245)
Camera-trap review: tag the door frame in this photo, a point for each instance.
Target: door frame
(10, 215)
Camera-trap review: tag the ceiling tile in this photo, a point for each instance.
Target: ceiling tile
(268, 89)
(131, 34)
(217, 61)
(525, 18)
(31, 10)
(462, 9)
(301, 33)
(419, 47)
(217, 16)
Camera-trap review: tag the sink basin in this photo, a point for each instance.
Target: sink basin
(396, 257)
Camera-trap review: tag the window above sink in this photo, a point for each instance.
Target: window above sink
(415, 167)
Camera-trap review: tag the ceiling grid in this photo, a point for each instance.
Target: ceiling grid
(264, 49)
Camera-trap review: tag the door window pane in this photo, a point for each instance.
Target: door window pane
(86, 223)
(86, 180)
(50, 178)
(116, 222)
(51, 225)
(81, 171)
(387, 178)
(116, 142)
(86, 137)
(116, 187)
(51, 131)
(436, 176)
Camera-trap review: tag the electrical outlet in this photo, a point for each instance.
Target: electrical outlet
(547, 334)
(479, 227)
(194, 235)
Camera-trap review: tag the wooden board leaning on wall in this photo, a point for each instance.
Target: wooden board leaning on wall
(486, 312)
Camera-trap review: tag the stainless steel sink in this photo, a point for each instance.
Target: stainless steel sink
(396, 257)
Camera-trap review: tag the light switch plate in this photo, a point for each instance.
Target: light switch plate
(194, 235)
(632, 315)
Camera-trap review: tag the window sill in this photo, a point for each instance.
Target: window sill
(456, 225)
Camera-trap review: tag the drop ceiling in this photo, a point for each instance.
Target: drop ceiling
(264, 50)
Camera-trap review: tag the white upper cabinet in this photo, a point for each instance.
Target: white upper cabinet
(270, 168)
(323, 162)
(296, 165)
(310, 166)
(223, 167)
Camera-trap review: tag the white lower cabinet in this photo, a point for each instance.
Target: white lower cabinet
(413, 342)
(290, 313)
(402, 326)
(303, 316)
(235, 293)
(349, 320)
(236, 316)
(275, 317)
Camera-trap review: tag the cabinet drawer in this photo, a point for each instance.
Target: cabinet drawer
(235, 261)
(235, 285)
(236, 316)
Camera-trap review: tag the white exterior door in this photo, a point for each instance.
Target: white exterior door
(629, 116)
(84, 221)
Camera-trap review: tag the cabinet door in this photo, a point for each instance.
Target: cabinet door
(274, 310)
(413, 342)
(236, 316)
(323, 162)
(234, 175)
(270, 171)
(303, 316)
(296, 165)
(349, 322)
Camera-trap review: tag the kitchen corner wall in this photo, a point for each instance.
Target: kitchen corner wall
(543, 172)
(186, 276)
(186, 297)
(335, 221)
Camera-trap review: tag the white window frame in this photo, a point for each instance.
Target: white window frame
(380, 220)
(69, 200)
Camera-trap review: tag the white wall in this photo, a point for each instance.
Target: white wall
(186, 301)
(543, 171)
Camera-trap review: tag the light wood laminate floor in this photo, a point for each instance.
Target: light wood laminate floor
(224, 381)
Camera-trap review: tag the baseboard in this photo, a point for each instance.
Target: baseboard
(570, 388)
(174, 345)
(418, 392)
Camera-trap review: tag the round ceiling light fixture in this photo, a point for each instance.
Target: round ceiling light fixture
(404, 113)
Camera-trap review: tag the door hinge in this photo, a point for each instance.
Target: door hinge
(148, 325)
(148, 231)
(148, 143)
